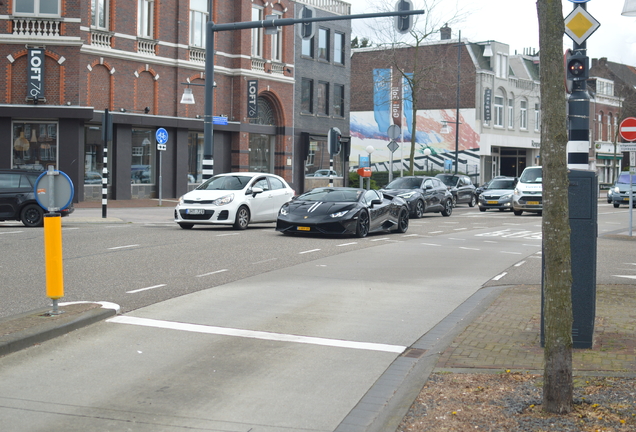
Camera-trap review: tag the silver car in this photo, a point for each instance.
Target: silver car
(528, 193)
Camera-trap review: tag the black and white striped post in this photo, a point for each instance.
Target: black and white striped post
(333, 142)
(107, 137)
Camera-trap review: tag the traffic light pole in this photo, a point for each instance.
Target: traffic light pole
(579, 115)
(212, 28)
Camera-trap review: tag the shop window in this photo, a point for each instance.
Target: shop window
(34, 145)
(143, 156)
(195, 157)
(93, 155)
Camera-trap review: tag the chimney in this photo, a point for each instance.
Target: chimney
(445, 32)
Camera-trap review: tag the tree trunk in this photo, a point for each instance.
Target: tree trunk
(557, 282)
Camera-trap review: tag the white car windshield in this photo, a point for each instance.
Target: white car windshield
(332, 195)
(534, 175)
(405, 183)
(233, 182)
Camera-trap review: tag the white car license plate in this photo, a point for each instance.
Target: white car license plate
(195, 211)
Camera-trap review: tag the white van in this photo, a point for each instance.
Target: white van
(528, 192)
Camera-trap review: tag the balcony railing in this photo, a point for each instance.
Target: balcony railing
(100, 39)
(197, 55)
(258, 64)
(36, 27)
(278, 68)
(146, 47)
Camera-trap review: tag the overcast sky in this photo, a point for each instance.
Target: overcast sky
(515, 22)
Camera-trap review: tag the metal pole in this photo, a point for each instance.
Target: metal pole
(208, 129)
(160, 178)
(459, 60)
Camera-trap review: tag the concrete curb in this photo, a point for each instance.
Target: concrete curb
(38, 326)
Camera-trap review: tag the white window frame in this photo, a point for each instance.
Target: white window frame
(537, 117)
(338, 48)
(257, 33)
(502, 65)
(323, 35)
(198, 21)
(95, 18)
(599, 127)
(610, 128)
(511, 113)
(277, 40)
(36, 9)
(499, 111)
(145, 18)
(523, 115)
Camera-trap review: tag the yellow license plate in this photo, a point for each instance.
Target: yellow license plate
(303, 228)
(492, 202)
(533, 202)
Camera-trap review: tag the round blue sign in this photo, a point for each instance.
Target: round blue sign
(53, 190)
(162, 136)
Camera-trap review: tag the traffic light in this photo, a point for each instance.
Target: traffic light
(576, 67)
(307, 29)
(334, 141)
(403, 23)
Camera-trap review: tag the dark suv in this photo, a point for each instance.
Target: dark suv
(462, 188)
(17, 198)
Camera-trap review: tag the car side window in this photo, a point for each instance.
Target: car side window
(370, 195)
(276, 183)
(428, 183)
(261, 183)
(14, 181)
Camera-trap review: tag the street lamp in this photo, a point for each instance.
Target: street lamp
(427, 153)
(630, 8)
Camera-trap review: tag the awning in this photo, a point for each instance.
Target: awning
(609, 156)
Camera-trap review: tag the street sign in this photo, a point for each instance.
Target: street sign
(579, 25)
(393, 131)
(627, 129)
(162, 138)
(393, 146)
(53, 190)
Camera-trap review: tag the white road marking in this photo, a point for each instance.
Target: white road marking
(211, 273)
(309, 251)
(225, 235)
(264, 261)
(11, 232)
(123, 247)
(520, 263)
(410, 235)
(434, 232)
(145, 289)
(467, 248)
(511, 253)
(431, 244)
(222, 331)
(459, 229)
(625, 276)
(380, 239)
(69, 229)
(347, 244)
(499, 276)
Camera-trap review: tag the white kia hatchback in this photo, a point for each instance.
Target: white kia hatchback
(233, 199)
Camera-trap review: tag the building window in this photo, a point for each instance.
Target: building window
(537, 117)
(599, 127)
(195, 157)
(146, 12)
(511, 113)
(307, 48)
(142, 166)
(99, 14)
(338, 100)
(37, 7)
(523, 115)
(277, 40)
(34, 145)
(93, 155)
(499, 111)
(307, 102)
(502, 66)
(338, 48)
(323, 44)
(604, 87)
(198, 21)
(610, 127)
(257, 33)
(322, 98)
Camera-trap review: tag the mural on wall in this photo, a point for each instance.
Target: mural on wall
(393, 106)
(365, 132)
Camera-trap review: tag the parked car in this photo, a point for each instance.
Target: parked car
(422, 195)
(620, 190)
(528, 193)
(461, 187)
(17, 198)
(343, 210)
(480, 189)
(233, 199)
(498, 194)
(323, 173)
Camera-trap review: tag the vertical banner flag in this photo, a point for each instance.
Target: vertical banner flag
(407, 96)
(35, 74)
(396, 99)
(381, 98)
(252, 96)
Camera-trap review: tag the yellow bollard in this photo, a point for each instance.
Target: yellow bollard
(53, 256)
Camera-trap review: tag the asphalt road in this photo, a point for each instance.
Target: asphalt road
(253, 331)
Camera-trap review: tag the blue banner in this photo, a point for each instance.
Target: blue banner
(382, 98)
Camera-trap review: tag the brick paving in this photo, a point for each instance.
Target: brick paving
(507, 334)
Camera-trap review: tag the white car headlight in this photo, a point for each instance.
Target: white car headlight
(181, 200)
(617, 190)
(284, 210)
(506, 196)
(339, 214)
(517, 192)
(224, 200)
(407, 195)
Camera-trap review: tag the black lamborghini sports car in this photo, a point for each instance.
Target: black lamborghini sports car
(342, 210)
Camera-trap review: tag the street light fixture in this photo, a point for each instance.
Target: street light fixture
(630, 8)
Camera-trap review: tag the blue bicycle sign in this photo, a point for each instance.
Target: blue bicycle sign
(162, 136)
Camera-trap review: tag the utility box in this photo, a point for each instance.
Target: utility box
(583, 215)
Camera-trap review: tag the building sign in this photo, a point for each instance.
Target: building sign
(487, 104)
(252, 98)
(35, 81)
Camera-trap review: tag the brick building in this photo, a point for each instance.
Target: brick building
(64, 63)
